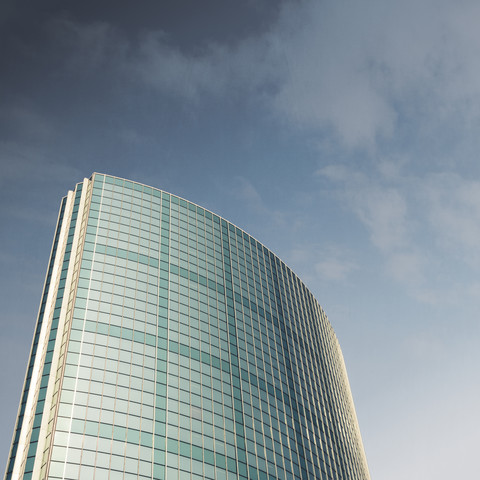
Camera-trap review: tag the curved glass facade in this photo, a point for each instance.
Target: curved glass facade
(172, 345)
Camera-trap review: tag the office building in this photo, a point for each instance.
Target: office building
(170, 344)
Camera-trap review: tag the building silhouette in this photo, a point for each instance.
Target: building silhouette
(170, 344)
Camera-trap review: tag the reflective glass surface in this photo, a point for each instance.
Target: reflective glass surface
(194, 352)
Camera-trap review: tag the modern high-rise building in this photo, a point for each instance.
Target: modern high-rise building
(170, 344)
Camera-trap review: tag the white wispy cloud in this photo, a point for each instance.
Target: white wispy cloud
(165, 67)
(322, 262)
(453, 204)
(362, 69)
(255, 206)
(213, 69)
(356, 71)
(249, 195)
(343, 67)
(383, 209)
(426, 227)
(408, 267)
(334, 268)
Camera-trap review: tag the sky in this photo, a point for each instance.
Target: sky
(343, 135)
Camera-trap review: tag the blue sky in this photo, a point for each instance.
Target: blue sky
(342, 135)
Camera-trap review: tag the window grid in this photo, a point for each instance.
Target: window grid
(194, 352)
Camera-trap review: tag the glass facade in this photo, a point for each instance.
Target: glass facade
(170, 344)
